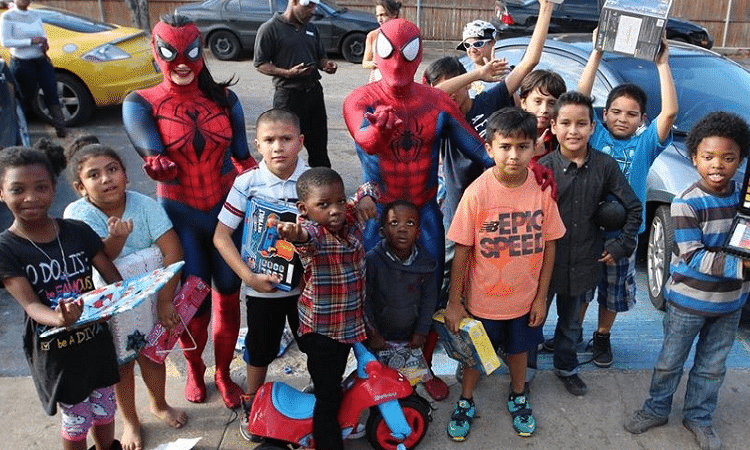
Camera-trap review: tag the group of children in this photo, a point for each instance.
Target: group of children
(516, 247)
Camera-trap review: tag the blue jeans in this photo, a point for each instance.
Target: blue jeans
(567, 331)
(33, 74)
(715, 338)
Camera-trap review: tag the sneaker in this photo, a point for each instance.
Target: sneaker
(461, 418)
(602, 350)
(705, 436)
(247, 403)
(523, 420)
(574, 384)
(641, 421)
(436, 387)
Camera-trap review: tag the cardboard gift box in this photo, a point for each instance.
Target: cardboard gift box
(262, 248)
(471, 346)
(633, 27)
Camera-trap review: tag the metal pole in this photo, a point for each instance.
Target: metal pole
(101, 11)
(419, 14)
(726, 24)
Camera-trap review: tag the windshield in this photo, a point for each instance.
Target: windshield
(704, 84)
(72, 22)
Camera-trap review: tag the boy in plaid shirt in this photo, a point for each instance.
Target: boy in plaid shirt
(328, 239)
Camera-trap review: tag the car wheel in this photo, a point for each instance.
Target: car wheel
(75, 99)
(660, 245)
(353, 48)
(224, 45)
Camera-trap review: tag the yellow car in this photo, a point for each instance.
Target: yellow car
(97, 63)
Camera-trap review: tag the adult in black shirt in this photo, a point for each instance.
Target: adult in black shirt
(288, 48)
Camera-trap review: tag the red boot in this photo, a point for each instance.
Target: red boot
(195, 387)
(226, 327)
(436, 387)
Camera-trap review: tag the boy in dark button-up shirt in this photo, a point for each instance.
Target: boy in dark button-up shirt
(584, 179)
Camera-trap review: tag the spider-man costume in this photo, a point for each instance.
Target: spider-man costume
(397, 126)
(189, 143)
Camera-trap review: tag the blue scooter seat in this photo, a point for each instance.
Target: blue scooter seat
(291, 402)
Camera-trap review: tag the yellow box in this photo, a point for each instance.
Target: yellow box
(470, 346)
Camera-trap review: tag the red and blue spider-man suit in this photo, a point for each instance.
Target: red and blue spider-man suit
(397, 125)
(189, 143)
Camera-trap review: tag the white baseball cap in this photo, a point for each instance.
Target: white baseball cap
(479, 29)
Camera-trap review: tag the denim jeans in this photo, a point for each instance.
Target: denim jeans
(33, 74)
(715, 338)
(567, 331)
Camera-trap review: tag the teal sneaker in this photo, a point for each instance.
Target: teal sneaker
(461, 418)
(523, 420)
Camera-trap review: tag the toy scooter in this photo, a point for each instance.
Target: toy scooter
(398, 420)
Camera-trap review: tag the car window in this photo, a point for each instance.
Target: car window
(565, 65)
(254, 5)
(73, 22)
(704, 84)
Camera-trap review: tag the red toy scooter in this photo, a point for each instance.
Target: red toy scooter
(398, 420)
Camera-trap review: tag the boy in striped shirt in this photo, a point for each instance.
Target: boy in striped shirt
(707, 288)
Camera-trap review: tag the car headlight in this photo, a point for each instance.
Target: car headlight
(104, 53)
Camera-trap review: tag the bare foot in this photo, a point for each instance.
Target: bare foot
(131, 436)
(170, 416)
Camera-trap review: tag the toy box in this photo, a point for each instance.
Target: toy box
(409, 361)
(161, 341)
(633, 27)
(471, 345)
(262, 249)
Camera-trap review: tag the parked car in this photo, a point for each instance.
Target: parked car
(229, 26)
(97, 63)
(517, 18)
(705, 81)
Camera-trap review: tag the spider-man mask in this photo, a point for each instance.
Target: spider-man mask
(175, 46)
(398, 52)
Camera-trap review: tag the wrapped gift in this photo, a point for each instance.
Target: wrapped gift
(162, 340)
(409, 361)
(129, 329)
(470, 346)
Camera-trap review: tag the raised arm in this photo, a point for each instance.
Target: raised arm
(489, 72)
(669, 107)
(586, 82)
(534, 50)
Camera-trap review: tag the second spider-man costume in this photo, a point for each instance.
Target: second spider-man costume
(190, 131)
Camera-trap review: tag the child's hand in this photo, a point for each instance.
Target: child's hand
(538, 312)
(663, 56)
(292, 232)
(376, 342)
(119, 228)
(417, 340)
(454, 313)
(167, 314)
(366, 209)
(69, 311)
(263, 282)
(493, 69)
(607, 258)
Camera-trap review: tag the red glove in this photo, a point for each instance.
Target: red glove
(242, 165)
(544, 177)
(160, 168)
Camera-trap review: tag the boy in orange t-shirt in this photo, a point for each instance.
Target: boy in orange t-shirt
(504, 229)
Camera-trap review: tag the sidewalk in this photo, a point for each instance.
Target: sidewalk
(564, 421)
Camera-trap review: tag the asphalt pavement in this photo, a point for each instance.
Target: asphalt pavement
(564, 421)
